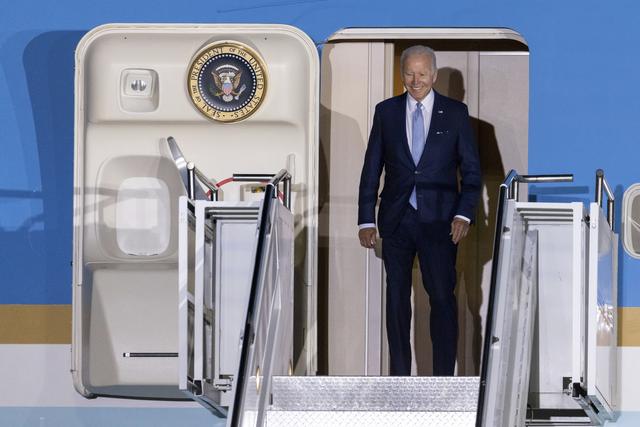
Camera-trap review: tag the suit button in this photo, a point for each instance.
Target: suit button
(417, 172)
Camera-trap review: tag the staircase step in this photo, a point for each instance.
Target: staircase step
(375, 394)
(369, 419)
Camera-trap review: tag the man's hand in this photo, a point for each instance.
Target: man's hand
(367, 237)
(459, 230)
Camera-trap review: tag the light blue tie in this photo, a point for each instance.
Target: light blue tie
(417, 145)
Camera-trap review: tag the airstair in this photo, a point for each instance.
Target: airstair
(229, 360)
(549, 359)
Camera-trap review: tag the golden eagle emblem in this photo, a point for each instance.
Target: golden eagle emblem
(227, 79)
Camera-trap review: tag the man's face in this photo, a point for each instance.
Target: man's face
(417, 76)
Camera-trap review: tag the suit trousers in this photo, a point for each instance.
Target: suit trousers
(437, 258)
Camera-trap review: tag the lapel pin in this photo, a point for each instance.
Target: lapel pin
(440, 111)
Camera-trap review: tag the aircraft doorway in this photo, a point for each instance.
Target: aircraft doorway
(485, 68)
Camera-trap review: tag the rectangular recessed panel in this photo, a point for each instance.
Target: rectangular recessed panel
(452, 394)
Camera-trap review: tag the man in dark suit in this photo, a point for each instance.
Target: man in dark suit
(422, 140)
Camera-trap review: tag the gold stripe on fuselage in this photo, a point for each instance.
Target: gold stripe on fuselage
(51, 324)
(35, 324)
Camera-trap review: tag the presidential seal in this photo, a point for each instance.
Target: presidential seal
(227, 81)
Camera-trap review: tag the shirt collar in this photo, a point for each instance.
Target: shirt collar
(427, 102)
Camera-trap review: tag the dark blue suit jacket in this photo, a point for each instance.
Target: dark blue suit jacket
(450, 147)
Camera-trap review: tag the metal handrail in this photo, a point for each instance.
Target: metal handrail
(209, 183)
(252, 177)
(514, 181)
(601, 183)
(511, 184)
(194, 173)
(189, 174)
(282, 176)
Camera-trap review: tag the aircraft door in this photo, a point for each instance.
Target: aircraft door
(238, 98)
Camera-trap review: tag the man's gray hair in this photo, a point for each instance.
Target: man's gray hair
(419, 50)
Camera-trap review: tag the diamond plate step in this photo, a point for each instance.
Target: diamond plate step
(459, 394)
(373, 401)
(369, 419)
